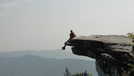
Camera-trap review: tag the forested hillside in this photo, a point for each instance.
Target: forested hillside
(28, 65)
(58, 54)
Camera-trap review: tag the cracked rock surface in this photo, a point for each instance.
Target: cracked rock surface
(112, 52)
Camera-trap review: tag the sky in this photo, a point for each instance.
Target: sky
(46, 24)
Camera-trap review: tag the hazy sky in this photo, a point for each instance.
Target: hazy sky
(46, 24)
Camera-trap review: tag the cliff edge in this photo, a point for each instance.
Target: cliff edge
(112, 53)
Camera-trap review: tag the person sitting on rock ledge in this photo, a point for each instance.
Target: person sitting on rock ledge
(72, 35)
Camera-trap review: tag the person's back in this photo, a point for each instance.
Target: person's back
(72, 35)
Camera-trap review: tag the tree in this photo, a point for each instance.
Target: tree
(82, 74)
(67, 73)
(77, 74)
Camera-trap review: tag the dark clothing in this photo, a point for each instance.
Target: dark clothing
(72, 35)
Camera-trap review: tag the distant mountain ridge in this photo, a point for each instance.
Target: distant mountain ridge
(29, 65)
(58, 54)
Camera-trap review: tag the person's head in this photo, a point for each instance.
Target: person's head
(71, 31)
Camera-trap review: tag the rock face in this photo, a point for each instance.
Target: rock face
(112, 53)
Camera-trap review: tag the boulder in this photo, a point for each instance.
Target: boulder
(112, 53)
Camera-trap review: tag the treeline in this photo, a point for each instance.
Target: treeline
(67, 73)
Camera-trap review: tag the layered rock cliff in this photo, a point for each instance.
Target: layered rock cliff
(112, 53)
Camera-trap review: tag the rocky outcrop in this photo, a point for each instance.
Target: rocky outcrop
(112, 53)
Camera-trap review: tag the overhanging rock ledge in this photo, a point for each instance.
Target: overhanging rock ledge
(112, 53)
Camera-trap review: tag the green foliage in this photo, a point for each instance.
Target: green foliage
(67, 73)
(77, 74)
(131, 35)
(82, 74)
(132, 64)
